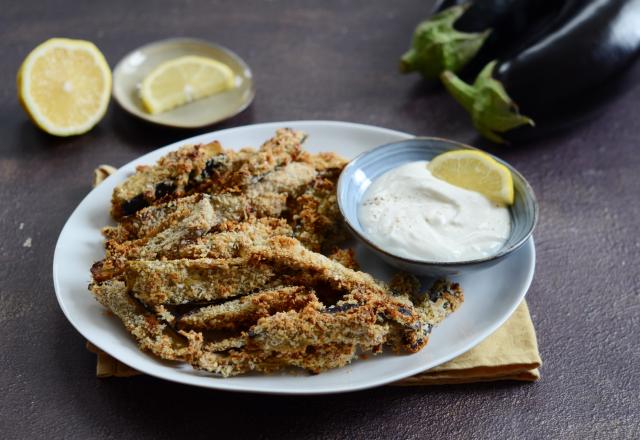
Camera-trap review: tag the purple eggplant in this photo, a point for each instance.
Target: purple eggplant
(563, 76)
(464, 35)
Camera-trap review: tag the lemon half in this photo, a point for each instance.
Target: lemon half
(182, 80)
(64, 86)
(475, 171)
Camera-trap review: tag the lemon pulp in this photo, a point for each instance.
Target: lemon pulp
(64, 86)
(476, 171)
(182, 80)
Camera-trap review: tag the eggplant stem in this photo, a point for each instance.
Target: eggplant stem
(491, 109)
(462, 92)
(437, 46)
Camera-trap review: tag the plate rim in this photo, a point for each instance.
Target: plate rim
(219, 383)
(150, 118)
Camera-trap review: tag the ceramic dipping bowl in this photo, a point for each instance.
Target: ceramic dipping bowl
(364, 169)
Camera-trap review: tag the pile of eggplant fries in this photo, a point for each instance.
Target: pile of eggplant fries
(522, 68)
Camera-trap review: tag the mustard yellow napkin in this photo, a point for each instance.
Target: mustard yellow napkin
(510, 353)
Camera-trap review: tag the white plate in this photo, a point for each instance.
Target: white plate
(490, 296)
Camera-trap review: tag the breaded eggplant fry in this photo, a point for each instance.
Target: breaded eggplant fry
(291, 179)
(231, 237)
(313, 339)
(152, 220)
(167, 242)
(316, 218)
(170, 177)
(236, 362)
(328, 164)
(249, 166)
(182, 281)
(225, 243)
(284, 252)
(293, 331)
(152, 335)
(432, 307)
(108, 269)
(266, 198)
(245, 311)
(230, 363)
(200, 168)
(225, 344)
(442, 299)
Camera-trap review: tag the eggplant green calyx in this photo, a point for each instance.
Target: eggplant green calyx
(437, 46)
(492, 110)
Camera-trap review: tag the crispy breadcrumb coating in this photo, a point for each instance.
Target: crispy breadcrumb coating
(216, 261)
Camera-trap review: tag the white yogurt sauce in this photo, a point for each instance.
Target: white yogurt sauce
(409, 212)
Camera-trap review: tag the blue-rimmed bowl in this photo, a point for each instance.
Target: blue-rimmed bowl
(364, 169)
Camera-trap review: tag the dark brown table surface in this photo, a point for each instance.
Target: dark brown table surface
(316, 60)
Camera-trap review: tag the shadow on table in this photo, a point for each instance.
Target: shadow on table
(144, 136)
(32, 142)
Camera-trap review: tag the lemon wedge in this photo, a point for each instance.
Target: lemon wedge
(64, 86)
(475, 171)
(182, 80)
